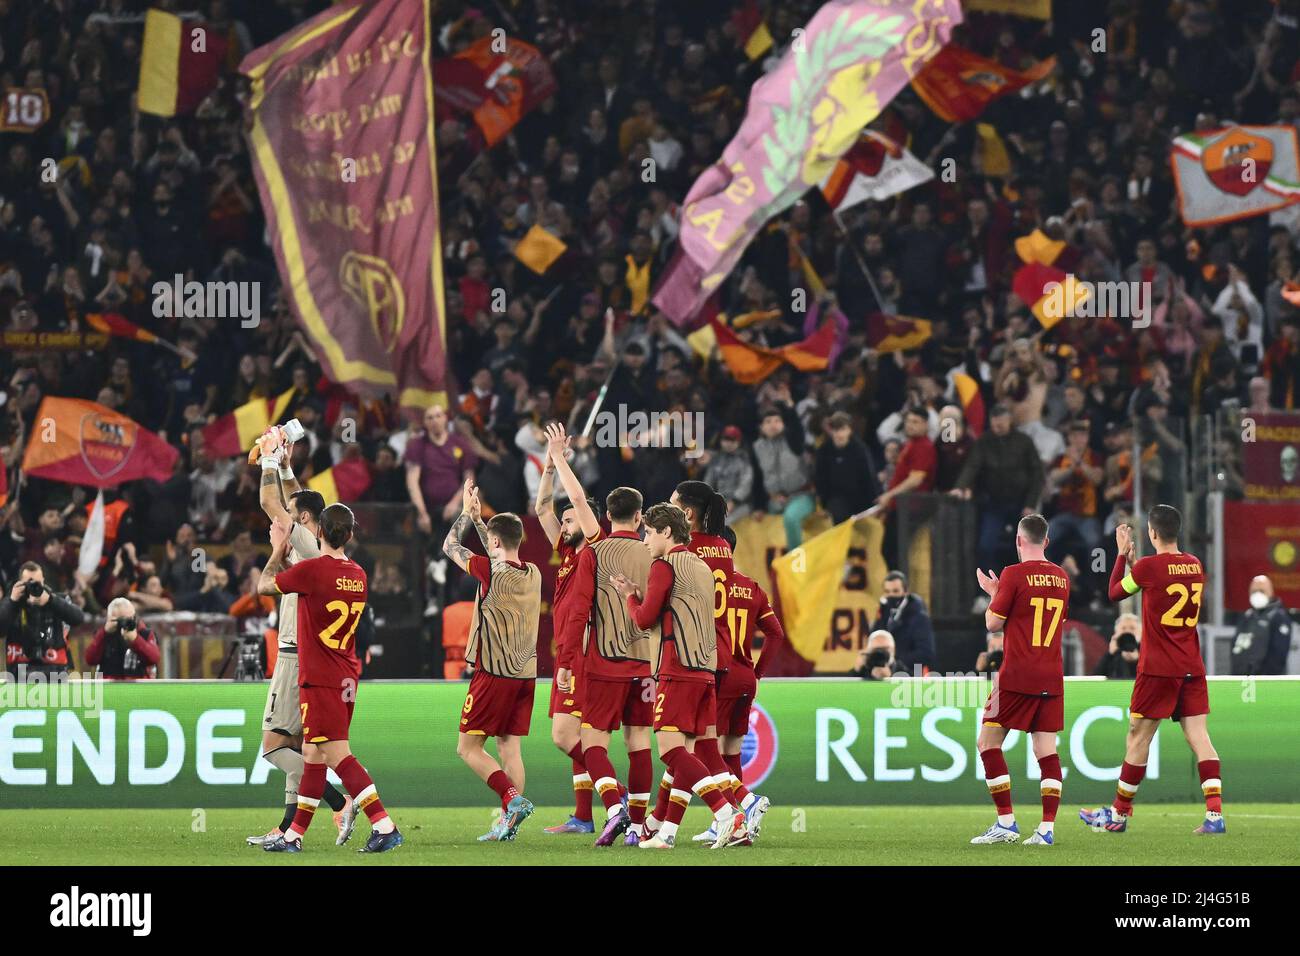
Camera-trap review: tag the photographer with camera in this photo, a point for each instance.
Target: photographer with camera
(990, 659)
(32, 621)
(124, 648)
(1121, 660)
(876, 661)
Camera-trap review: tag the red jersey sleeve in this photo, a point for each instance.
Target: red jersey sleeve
(773, 634)
(658, 586)
(481, 568)
(576, 610)
(1005, 595)
(297, 579)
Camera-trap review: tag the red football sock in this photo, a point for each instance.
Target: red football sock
(737, 770)
(1049, 787)
(309, 794)
(1130, 775)
(706, 751)
(1211, 785)
(664, 796)
(503, 787)
(998, 779)
(581, 785)
(690, 775)
(602, 775)
(362, 788)
(640, 777)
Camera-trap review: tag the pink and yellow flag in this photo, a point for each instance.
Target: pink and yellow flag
(851, 59)
(341, 130)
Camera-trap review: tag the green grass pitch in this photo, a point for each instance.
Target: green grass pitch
(1258, 833)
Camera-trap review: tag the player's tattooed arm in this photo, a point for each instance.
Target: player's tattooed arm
(452, 547)
(543, 507)
(275, 563)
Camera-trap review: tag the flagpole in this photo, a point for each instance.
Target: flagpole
(862, 263)
(604, 389)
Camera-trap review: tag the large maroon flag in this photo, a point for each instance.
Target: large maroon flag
(343, 148)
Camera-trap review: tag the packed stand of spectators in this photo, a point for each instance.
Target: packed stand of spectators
(139, 199)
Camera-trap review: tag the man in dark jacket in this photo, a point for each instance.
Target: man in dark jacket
(32, 619)
(877, 661)
(1004, 475)
(844, 472)
(1264, 634)
(904, 616)
(1121, 660)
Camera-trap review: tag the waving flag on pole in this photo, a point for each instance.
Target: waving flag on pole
(1234, 173)
(750, 364)
(853, 58)
(180, 64)
(84, 443)
(875, 167)
(340, 121)
(497, 81)
(958, 84)
(235, 432)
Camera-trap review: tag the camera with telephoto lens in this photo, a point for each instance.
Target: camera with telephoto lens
(1127, 642)
(126, 625)
(248, 659)
(34, 589)
(878, 658)
(993, 661)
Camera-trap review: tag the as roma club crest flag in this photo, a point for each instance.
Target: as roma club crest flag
(83, 443)
(343, 149)
(1234, 173)
(497, 80)
(959, 84)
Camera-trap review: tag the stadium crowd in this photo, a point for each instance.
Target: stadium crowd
(139, 199)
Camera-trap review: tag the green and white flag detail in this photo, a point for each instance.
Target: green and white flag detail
(1235, 172)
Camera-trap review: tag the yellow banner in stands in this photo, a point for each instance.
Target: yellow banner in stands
(760, 541)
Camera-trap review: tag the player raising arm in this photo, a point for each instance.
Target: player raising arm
(573, 531)
(1028, 604)
(1171, 673)
(332, 591)
(677, 609)
(285, 502)
(503, 652)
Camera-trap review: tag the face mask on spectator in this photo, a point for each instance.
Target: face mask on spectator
(1258, 600)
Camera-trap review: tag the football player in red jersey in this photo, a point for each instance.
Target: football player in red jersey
(1171, 672)
(748, 612)
(576, 527)
(706, 510)
(332, 591)
(1028, 603)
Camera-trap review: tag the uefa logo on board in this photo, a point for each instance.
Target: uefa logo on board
(759, 749)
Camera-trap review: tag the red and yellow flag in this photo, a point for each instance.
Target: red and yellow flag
(341, 128)
(750, 364)
(180, 63)
(346, 481)
(84, 443)
(896, 333)
(1038, 248)
(498, 80)
(235, 432)
(972, 402)
(751, 30)
(111, 323)
(958, 84)
(1050, 293)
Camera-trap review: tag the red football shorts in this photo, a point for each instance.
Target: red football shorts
(735, 698)
(566, 702)
(497, 706)
(1027, 712)
(1175, 697)
(685, 705)
(325, 714)
(609, 704)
